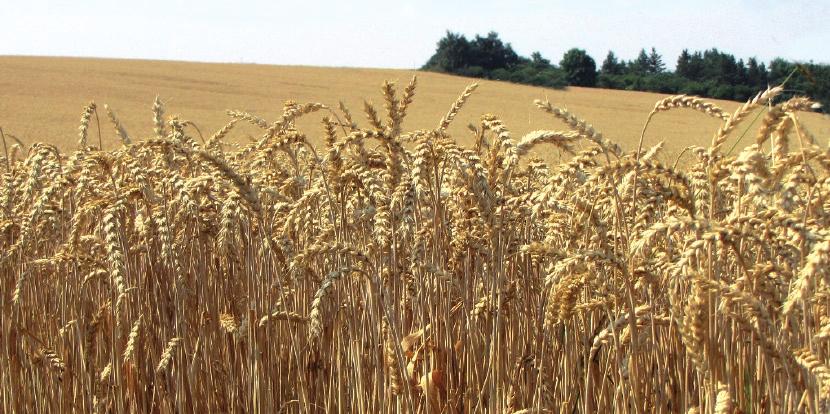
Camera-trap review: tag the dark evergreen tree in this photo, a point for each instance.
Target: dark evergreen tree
(690, 66)
(684, 62)
(779, 69)
(641, 64)
(612, 66)
(721, 67)
(756, 74)
(741, 72)
(655, 62)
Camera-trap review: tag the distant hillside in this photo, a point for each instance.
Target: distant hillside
(41, 99)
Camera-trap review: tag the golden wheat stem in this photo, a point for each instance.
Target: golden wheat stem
(5, 150)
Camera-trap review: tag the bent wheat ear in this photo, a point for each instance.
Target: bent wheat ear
(167, 355)
(55, 362)
(282, 316)
(408, 97)
(740, 114)
(228, 323)
(119, 128)
(561, 140)
(723, 404)
(692, 102)
(804, 285)
(315, 316)
(129, 350)
(86, 116)
(217, 137)
(585, 129)
(456, 107)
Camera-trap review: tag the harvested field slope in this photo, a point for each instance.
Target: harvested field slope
(41, 99)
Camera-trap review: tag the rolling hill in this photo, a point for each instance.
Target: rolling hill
(41, 99)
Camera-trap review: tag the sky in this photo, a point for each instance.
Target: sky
(403, 34)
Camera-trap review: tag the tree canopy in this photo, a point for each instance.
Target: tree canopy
(710, 73)
(490, 58)
(580, 69)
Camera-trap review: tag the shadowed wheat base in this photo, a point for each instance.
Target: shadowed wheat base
(391, 271)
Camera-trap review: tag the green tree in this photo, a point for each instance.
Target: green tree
(779, 69)
(612, 66)
(690, 66)
(641, 64)
(580, 69)
(488, 57)
(655, 62)
(721, 67)
(710, 73)
(537, 60)
(756, 74)
(451, 54)
(491, 53)
(683, 63)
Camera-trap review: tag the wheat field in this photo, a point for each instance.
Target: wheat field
(355, 265)
(40, 97)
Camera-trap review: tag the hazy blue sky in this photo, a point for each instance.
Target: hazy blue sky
(402, 34)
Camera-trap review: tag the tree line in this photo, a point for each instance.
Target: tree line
(710, 73)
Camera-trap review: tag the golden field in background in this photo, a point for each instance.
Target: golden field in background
(41, 99)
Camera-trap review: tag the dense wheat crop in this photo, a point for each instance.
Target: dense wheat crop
(392, 271)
